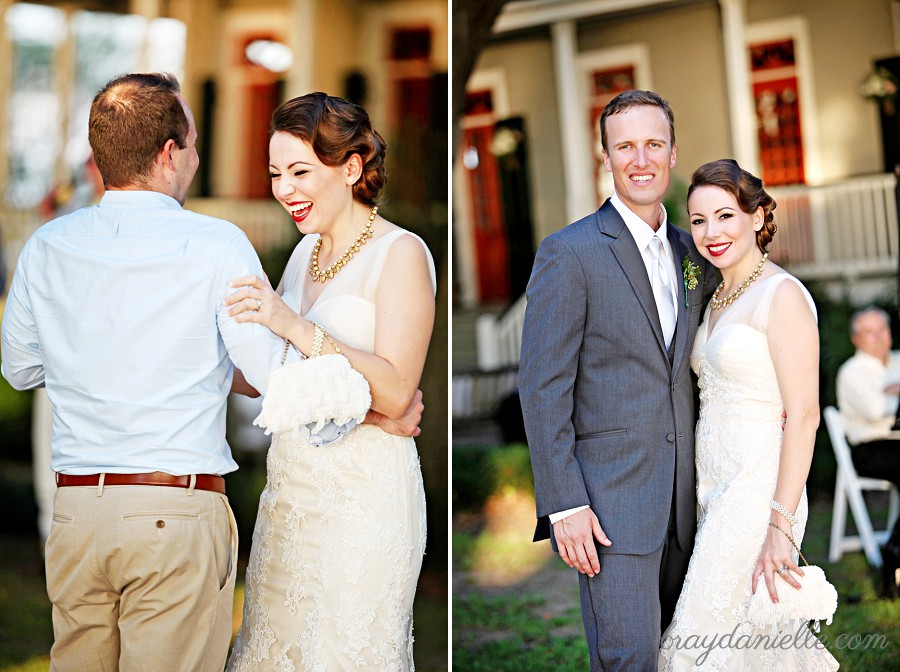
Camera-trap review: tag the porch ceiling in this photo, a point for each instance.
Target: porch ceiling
(524, 14)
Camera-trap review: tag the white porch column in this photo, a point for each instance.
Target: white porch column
(301, 37)
(149, 9)
(573, 128)
(6, 53)
(737, 74)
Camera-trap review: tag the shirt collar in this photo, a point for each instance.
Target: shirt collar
(138, 199)
(639, 229)
(866, 357)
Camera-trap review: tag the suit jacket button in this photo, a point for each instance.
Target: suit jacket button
(670, 438)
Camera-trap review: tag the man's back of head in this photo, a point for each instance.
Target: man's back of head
(131, 119)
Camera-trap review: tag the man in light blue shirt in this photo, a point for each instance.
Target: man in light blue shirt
(118, 310)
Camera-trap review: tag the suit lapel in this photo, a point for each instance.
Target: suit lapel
(625, 251)
(682, 328)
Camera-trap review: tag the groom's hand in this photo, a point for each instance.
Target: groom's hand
(575, 536)
(408, 425)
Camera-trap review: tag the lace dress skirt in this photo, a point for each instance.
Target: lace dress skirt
(337, 550)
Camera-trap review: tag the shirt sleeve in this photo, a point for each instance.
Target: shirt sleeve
(861, 391)
(252, 347)
(23, 365)
(556, 517)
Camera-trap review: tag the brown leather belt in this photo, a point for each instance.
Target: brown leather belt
(204, 481)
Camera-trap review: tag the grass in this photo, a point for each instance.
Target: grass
(511, 633)
(534, 622)
(26, 632)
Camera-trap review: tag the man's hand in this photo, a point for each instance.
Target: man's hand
(575, 536)
(408, 425)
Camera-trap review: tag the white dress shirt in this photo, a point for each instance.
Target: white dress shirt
(118, 309)
(867, 412)
(642, 233)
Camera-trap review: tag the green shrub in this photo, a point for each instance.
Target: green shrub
(15, 422)
(481, 471)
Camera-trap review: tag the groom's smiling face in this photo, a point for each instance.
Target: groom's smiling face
(640, 155)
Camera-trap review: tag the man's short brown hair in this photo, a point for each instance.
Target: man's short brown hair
(132, 118)
(636, 98)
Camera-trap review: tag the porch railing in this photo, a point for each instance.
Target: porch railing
(843, 230)
(265, 222)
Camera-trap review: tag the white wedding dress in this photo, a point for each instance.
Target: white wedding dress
(738, 444)
(340, 531)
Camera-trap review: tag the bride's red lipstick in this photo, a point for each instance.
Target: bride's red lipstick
(298, 215)
(719, 251)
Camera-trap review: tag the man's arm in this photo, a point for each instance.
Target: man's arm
(253, 348)
(23, 365)
(552, 336)
(551, 343)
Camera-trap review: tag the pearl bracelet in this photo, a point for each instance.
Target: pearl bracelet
(320, 333)
(783, 510)
(318, 337)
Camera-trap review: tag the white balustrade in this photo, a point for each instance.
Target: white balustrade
(842, 230)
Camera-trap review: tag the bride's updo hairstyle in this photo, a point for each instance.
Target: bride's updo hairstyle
(336, 129)
(746, 188)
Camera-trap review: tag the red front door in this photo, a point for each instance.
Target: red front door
(491, 249)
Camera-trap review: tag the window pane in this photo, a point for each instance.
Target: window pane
(35, 136)
(166, 40)
(106, 45)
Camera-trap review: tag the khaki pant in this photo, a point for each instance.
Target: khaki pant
(141, 578)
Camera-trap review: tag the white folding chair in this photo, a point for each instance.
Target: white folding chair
(849, 487)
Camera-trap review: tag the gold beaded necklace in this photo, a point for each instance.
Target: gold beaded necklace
(344, 259)
(718, 304)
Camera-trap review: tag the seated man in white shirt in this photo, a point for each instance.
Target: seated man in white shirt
(868, 393)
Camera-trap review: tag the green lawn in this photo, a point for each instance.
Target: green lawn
(533, 623)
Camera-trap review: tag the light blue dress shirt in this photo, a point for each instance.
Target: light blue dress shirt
(118, 310)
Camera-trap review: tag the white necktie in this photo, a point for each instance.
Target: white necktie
(662, 289)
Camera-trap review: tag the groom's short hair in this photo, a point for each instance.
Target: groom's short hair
(131, 119)
(636, 98)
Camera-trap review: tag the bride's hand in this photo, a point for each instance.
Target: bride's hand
(775, 554)
(256, 301)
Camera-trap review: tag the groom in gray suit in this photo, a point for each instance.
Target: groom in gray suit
(614, 302)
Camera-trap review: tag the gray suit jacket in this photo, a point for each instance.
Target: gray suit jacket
(608, 414)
